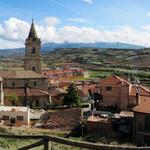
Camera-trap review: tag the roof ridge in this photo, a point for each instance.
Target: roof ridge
(122, 79)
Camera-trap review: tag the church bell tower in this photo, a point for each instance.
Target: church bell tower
(32, 51)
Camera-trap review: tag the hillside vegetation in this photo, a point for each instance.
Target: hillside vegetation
(104, 57)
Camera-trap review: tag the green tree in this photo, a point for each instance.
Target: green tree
(14, 99)
(72, 98)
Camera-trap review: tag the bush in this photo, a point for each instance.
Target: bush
(3, 130)
(91, 138)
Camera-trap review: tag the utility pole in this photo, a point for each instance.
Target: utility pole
(81, 124)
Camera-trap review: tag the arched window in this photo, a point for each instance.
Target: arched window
(13, 84)
(37, 103)
(33, 68)
(35, 84)
(33, 50)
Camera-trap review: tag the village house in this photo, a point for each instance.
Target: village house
(62, 74)
(100, 126)
(120, 93)
(57, 91)
(142, 123)
(29, 85)
(11, 115)
(56, 96)
(35, 98)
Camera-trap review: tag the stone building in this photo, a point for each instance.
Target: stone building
(141, 134)
(32, 51)
(29, 85)
(120, 93)
(18, 116)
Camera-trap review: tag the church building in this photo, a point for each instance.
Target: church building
(28, 85)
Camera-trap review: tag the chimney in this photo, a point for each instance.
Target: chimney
(137, 94)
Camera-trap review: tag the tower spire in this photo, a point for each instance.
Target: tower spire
(32, 33)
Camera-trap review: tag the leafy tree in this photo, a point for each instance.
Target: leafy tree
(14, 99)
(72, 98)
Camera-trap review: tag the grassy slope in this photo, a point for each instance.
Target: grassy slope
(121, 57)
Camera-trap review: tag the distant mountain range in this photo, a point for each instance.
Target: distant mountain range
(52, 46)
(117, 45)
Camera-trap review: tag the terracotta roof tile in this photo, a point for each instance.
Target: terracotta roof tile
(22, 92)
(55, 91)
(143, 91)
(20, 74)
(66, 119)
(143, 107)
(114, 80)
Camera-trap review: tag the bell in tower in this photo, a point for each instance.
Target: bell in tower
(32, 51)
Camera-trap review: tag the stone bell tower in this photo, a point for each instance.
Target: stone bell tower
(32, 51)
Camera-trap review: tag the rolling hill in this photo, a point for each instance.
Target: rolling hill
(46, 47)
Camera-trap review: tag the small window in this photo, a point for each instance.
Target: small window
(33, 68)
(5, 84)
(20, 118)
(108, 88)
(35, 84)
(13, 84)
(5, 118)
(37, 103)
(33, 50)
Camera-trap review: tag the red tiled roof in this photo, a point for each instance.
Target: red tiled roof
(22, 92)
(143, 107)
(20, 74)
(66, 119)
(114, 80)
(84, 90)
(60, 71)
(143, 91)
(55, 92)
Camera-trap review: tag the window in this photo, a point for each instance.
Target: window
(35, 83)
(33, 68)
(26, 84)
(108, 88)
(33, 50)
(13, 84)
(20, 118)
(5, 118)
(147, 123)
(12, 120)
(37, 103)
(5, 84)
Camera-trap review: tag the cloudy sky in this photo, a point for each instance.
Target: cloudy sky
(126, 21)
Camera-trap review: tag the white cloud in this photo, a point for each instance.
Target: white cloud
(13, 33)
(14, 29)
(148, 13)
(146, 28)
(79, 20)
(88, 1)
(52, 21)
